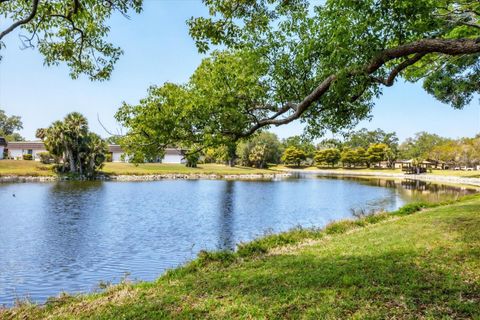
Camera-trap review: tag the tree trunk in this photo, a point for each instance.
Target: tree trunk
(71, 159)
(79, 164)
(232, 155)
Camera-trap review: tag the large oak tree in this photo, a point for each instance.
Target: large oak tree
(323, 64)
(327, 62)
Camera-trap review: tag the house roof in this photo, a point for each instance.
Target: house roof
(37, 145)
(173, 151)
(3, 142)
(115, 148)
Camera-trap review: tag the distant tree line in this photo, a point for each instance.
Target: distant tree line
(362, 148)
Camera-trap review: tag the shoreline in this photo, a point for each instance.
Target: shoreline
(421, 177)
(281, 174)
(216, 266)
(151, 177)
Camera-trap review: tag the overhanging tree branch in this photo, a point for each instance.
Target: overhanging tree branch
(419, 49)
(23, 21)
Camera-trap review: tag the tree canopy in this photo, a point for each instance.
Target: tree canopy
(293, 155)
(75, 149)
(329, 156)
(420, 145)
(9, 125)
(274, 62)
(74, 32)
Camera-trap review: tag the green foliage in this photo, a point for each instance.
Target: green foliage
(364, 138)
(412, 208)
(45, 157)
(293, 155)
(114, 139)
(192, 159)
(420, 145)
(378, 152)
(264, 244)
(300, 143)
(320, 63)
(327, 156)
(70, 32)
(77, 150)
(8, 126)
(27, 157)
(353, 157)
(259, 150)
(355, 42)
(209, 111)
(257, 156)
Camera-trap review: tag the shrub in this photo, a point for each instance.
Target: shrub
(192, 159)
(108, 157)
(340, 227)
(45, 157)
(412, 208)
(27, 157)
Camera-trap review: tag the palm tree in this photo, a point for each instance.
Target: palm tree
(54, 142)
(76, 130)
(95, 153)
(71, 141)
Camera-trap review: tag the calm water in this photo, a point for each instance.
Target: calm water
(72, 235)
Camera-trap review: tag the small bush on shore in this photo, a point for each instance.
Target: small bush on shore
(45, 157)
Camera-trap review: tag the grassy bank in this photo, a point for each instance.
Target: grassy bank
(24, 168)
(119, 168)
(35, 168)
(399, 265)
(451, 173)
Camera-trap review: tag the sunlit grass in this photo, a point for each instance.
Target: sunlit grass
(35, 168)
(406, 265)
(119, 168)
(24, 168)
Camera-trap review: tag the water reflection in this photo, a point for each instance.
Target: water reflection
(226, 235)
(71, 235)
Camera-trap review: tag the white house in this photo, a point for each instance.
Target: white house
(17, 149)
(172, 155)
(117, 153)
(3, 145)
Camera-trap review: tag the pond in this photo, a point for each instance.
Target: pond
(70, 236)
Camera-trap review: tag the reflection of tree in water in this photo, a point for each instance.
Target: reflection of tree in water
(226, 235)
(74, 188)
(411, 184)
(69, 215)
(412, 189)
(418, 190)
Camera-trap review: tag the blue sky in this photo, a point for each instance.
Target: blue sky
(158, 49)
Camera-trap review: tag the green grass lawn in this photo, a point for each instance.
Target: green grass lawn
(404, 266)
(24, 168)
(35, 168)
(119, 168)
